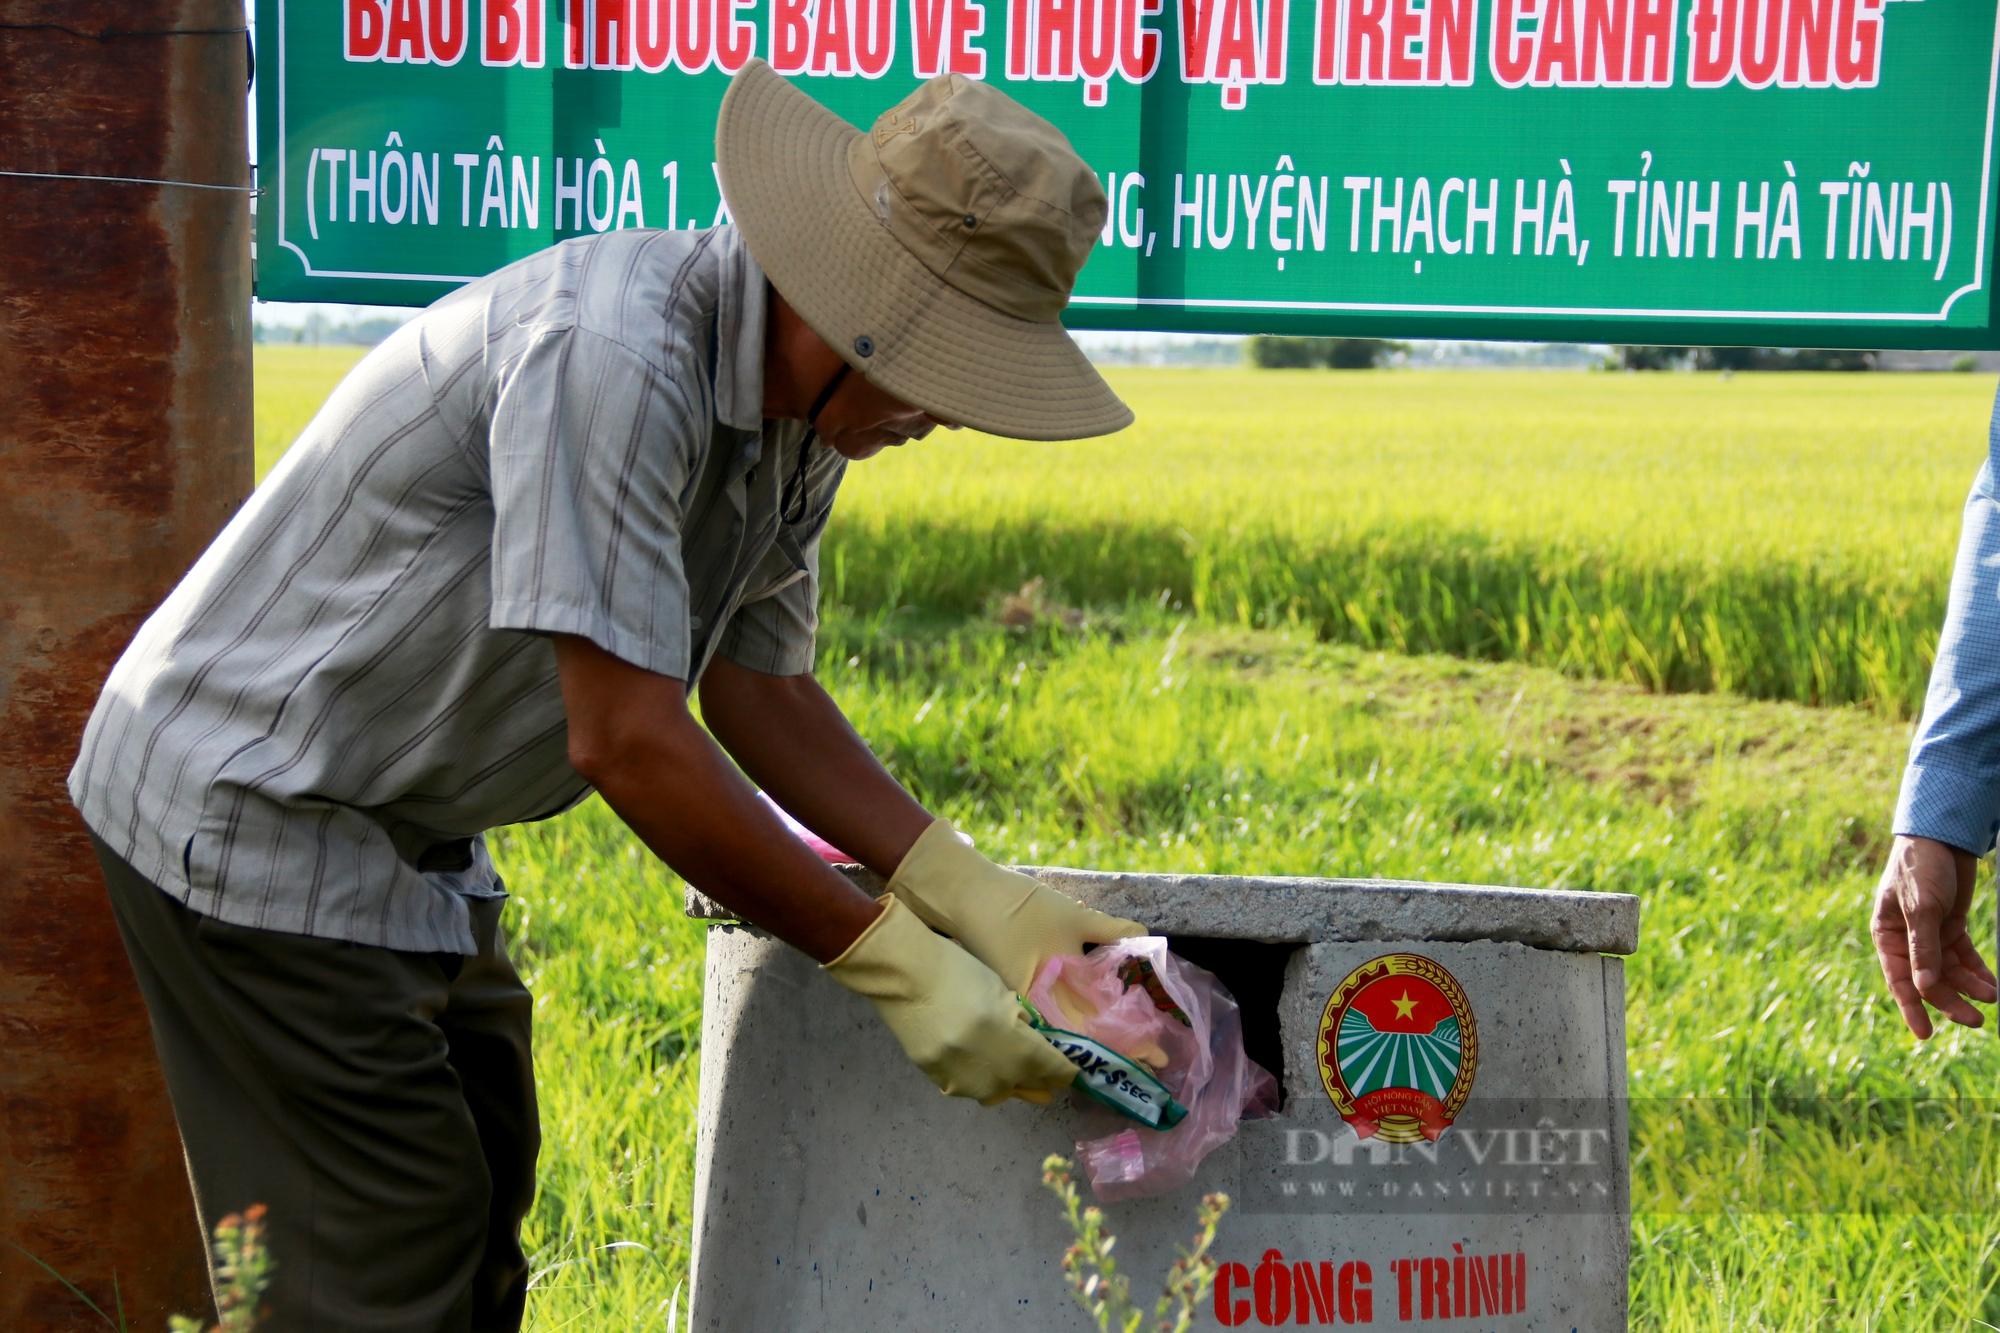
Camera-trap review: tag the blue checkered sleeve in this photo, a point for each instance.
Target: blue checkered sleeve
(1951, 788)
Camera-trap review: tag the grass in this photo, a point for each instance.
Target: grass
(292, 381)
(597, 932)
(1791, 1144)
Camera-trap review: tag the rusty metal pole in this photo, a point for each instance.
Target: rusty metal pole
(125, 444)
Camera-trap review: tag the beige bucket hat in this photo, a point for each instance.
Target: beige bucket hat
(935, 252)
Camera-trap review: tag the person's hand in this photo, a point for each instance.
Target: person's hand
(1008, 921)
(955, 1019)
(1920, 934)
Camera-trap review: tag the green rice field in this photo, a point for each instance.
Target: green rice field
(292, 381)
(1651, 634)
(1776, 536)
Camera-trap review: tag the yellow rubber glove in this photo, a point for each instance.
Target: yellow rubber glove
(954, 1018)
(1007, 920)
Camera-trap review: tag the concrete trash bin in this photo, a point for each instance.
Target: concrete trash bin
(1451, 1146)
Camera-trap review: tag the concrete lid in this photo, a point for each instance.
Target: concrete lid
(1279, 908)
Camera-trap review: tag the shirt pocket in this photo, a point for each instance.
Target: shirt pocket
(782, 566)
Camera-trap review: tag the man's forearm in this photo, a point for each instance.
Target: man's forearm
(632, 737)
(699, 816)
(1951, 786)
(792, 739)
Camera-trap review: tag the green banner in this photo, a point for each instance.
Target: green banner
(1788, 172)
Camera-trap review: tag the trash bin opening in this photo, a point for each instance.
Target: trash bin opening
(1254, 972)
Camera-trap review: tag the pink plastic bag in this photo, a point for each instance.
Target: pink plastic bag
(826, 851)
(1176, 1018)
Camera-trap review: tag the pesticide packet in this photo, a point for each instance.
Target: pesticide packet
(1110, 1079)
(1157, 1020)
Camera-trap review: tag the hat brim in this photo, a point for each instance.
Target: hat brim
(782, 158)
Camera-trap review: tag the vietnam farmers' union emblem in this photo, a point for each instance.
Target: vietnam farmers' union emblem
(1397, 1048)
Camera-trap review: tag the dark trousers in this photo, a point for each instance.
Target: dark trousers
(380, 1104)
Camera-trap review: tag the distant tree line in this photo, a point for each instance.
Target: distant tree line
(1740, 358)
(1268, 353)
(1272, 353)
(1191, 352)
(318, 329)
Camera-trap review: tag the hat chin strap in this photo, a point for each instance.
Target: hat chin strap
(793, 497)
(826, 396)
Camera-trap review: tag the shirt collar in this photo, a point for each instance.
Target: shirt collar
(742, 306)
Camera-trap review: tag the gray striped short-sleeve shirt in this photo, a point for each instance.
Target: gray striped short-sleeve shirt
(354, 682)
